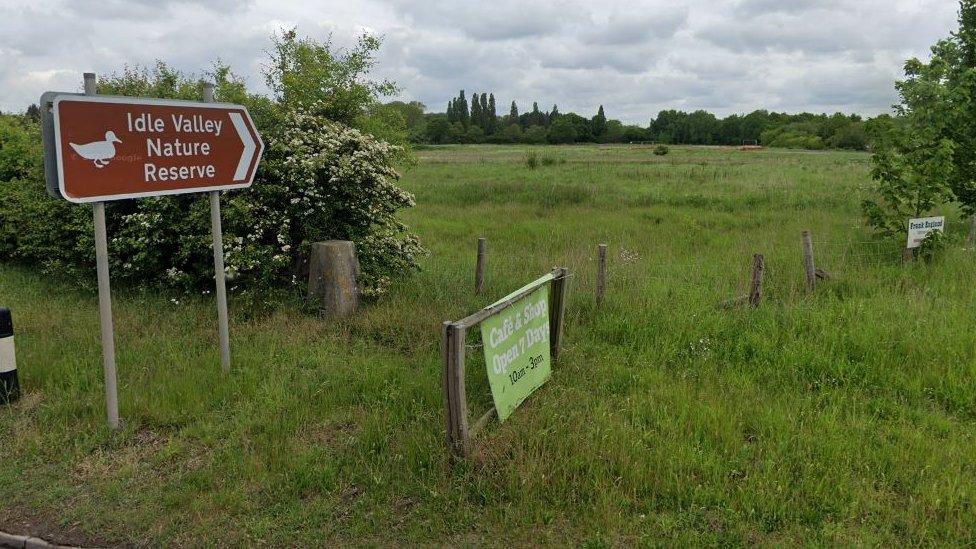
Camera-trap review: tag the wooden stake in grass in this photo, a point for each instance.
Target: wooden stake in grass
(601, 274)
(456, 408)
(479, 270)
(557, 311)
(755, 288)
(808, 264)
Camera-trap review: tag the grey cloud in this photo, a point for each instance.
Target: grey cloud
(635, 57)
(863, 85)
(501, 20)
(146, 9)
(781, 32)
(754, 7)
(582, 58)
(636, 28)
(32, 33)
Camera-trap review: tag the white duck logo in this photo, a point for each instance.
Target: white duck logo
(99, 152)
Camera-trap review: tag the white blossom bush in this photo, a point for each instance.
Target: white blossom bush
(323, 181)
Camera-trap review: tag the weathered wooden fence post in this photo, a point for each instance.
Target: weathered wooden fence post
(808, 264)
(755, 288)
(601, 274)
(333, 277)
(479, 270)
(455, 401)
(557, 311)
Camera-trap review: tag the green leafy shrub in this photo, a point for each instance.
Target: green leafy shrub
(532, 160)
(661, 150)
(933, 246)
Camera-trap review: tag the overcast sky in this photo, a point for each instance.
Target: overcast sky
(635, 57)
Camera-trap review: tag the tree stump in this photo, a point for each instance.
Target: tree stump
(333, 277)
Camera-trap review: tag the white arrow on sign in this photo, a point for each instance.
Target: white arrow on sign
(249, 145)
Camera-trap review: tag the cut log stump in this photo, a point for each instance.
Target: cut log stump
(333, 278)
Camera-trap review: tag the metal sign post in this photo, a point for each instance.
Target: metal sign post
(223, 326)
(99, 148)
(104, 300)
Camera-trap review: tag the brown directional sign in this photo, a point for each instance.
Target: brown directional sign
(111, 148)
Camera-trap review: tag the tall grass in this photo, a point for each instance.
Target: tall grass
(842, 417)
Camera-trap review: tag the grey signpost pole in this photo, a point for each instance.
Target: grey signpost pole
(104, 300)
(218, 252)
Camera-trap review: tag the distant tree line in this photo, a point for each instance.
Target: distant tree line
(478, 121)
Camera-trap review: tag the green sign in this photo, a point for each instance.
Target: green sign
(516, 343)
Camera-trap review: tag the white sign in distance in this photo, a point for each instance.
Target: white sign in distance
(919, 228)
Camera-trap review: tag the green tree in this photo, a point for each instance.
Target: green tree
(492, 114)
(476, 116)
(920, 157)
(412, 112)
(958, 54)
(438, 129)
(852, 136)
(581, 126)
(33, 112)
(562, 131)
(535, 135)
(513, 114)
(412, 116)
(614, 132)
(536, 117)
(553, 114)
(484, 111)
(463, 115)
(302, 72)
(598, 125)
(911, 161)
(511, 133)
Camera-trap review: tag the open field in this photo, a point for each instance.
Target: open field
(843, 417)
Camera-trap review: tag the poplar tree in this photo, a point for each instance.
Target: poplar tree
(462, 107)
(513, 113)
(475, 111)
(484, 111)
(492, 114)
(599, 125)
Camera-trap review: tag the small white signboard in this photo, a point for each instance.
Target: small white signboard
(918, 228)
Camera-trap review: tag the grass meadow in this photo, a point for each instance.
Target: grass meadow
(842, 417)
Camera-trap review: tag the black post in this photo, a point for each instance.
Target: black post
(9, 386)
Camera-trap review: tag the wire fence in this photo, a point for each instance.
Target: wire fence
(639, 283)
(639, 278)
